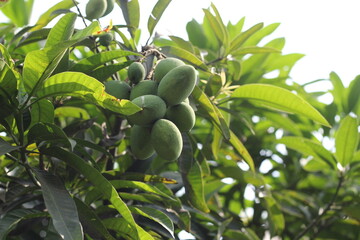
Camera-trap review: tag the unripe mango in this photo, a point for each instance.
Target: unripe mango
(95, 9)
(144, 87)
(153, 108)
(118, 89)
(177, 84)
(164, 66)
(182, 115)
(109, 7)
(136, 72)
(106, 39)
(166, 139)
(140, 142)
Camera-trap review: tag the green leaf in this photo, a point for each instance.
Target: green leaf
(180, 42)
(50, 14)
(276, 218)
(90, 220)
(241, 149)
(346, 140)
(8, 80)
(192, 177)
(278, 98)
(155, 215)
(81, 85)
(217, 26)
(184, 55)
(42, 111)
(131, 13)
(88, 31)
(60, 205)
(9, 221)
(196, 34)
(18, 11)
(100, 182)
(34, 36)
(86, 65)
(6, 147)
(156, 14)
(254, 50)
(338, 90)
(62, 30)
(353, 96)
(73, 112)
(49, 132)
(256, 37)
(242, 37)
(104, 72)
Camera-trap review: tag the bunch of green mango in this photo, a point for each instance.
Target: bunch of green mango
(166, 111)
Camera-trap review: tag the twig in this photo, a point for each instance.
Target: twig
(82, 17)
(327, 208)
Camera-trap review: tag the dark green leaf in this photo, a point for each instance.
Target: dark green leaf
(156, 14)
(42, 111)
(131, 12)
(6, 147)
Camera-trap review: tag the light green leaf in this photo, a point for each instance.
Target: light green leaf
(242, 37)
(73, 112)
(131, 13)
(86, 65)
(353, 96)
(104, 72)
(50, 14)
(156, 14)
(8, 80)
(254, 50)
(278, 98)
(185, 55)
(81, 85)
(88, 31)
(276, 218)
(255, 38)
(100, 182)
(18, 11)
(62, 30)
(346, 140)
(196, 34)
(338, 90)
(42, 111)
(241, 149)
(217, 26)
(60, 205)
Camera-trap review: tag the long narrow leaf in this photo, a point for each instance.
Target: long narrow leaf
(242, 37)
(156, 14)
(62, 30)
(60, 205)
(279, 98)
(131, 13)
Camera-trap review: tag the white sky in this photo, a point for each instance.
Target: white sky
(326, 31)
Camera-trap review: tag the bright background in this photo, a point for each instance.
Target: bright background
(326, 31)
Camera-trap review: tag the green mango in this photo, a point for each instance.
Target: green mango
(164, 66)
(118, 89)
(182, 115)
(144, 87)
(106, 39)
(95, 9)
(177, 84)
(140, 143)
(166, 139)
(109, 8)
(153, 108)
(136, 72)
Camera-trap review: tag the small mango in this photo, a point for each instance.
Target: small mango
(95, 9)
(106, 39)
(153, 108)
(109, 7)
(140, 143)
(164, 66)
(118, 89)
(136, 72)
(166, 139)
(177, 84)
(144, 87)
(182, 115)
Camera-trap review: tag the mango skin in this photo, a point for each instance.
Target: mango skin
(182, 115)
(177, 84)
(106, 39)
(166, 139)
(136, 72)
(140, 143)
(109, 7)
(118, 89)
(144, 87)
(95, 9)
(153, 108)
(164, 66)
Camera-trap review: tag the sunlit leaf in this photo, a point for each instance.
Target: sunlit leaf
(242, 37)
(62, 30)
(241, 149)
(254, 50)
(196, 34)
(279, 98)
(60, 205)
(156, 14)
(131, 13)
(18, 11)
(42, 111)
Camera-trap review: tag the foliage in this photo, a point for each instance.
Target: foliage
(257, 162)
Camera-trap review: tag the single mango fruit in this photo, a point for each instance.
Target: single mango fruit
(164, 66)
(140, 143)
(118, 89)
(182, 115)
(144, 87)
(136, 72)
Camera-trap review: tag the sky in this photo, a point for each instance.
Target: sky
(326, 31)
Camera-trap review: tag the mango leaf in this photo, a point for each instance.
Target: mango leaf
(256, 37)
(276, 218)
(35, 36)
(60, 205)
(42, 111)
(156, 14)
(18, 11)
(241, 149)
(86, 65)
(100, 182)
(91, 221)
(104, 72)
(242, 37)
(121, 227)
(131, 13)
(338, 90)
(81, 85)
(196, 34)
(8, 80)
(346, 140)
(50, 133)
(62, 30)
(280, 99)
(180, 42)
(155, 215)
(353, 96)
(88, 31)
(9, 221)
(184, 55)
(73, 112)
(50, 14)
(6, 147)
(192, 177)
(254, 50)
(217, 26)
